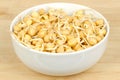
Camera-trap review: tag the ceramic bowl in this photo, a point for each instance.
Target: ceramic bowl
(61, 64)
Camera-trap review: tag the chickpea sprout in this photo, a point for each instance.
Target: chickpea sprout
(55, 31)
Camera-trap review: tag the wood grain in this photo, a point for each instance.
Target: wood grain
(108, 68)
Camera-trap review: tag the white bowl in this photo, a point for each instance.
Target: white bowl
(59, 64)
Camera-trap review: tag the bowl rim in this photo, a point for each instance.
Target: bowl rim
(58, 54)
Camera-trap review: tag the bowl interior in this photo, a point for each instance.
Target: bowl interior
(69, 8)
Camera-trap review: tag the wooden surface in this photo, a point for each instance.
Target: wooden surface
(108, 68)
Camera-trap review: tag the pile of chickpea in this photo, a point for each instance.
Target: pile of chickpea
(55, 31)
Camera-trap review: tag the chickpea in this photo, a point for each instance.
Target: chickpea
(60, 49)
(98, 38)
(53, 36)
(32, 31)
(65, 32)
(59, 42)
(26, 18)
(41, 11)
(70, 19)
(40, 42)
(79, 13)
(53, 51)
(29, 22)
(87, 24)
(45, 16)
(50, 45)
(42, 20)
(35, 14)
(27, 37)
(69, 37)
(37, 48)
(87, 46)
(42, 33)
(21, 33)
(82, 35)
(68, 49)
(52, 18)
(99, 22)
(38, 27)
(37, 42)
(34, 42)
(47, 38)
(17, 28)
(78, 47)
(102, 32)
(97, 31)
(72, 42)
(75, 20)
(71, 27)
(92, 41)
(89, 31)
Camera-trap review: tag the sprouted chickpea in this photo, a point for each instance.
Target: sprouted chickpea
(55, 31)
